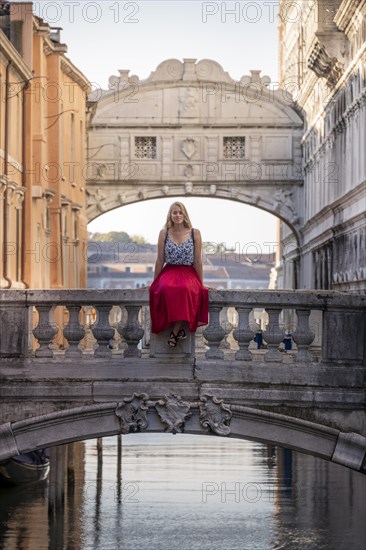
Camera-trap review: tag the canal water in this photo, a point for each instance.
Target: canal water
(185, 492)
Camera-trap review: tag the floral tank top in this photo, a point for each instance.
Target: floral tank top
(179, 254)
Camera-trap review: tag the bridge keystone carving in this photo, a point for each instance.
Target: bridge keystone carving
(215, 415)
(132, 413)
(173, 412)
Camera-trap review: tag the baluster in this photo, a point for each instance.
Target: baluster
(102, 331)
(243, 334)
(273, 335)
(74, 332)
(45, 331)
(132, 332)
(303, 336)
(214, 333)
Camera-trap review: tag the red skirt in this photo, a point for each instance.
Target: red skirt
(177, 294)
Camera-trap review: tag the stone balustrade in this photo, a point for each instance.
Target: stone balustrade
(335, 320)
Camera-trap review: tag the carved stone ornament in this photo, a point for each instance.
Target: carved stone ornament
(324, 65)
(189, 100)
(173, 412)
(132, 413)
(188, 171)
(215, 415)
(189, 147)
(95, 199)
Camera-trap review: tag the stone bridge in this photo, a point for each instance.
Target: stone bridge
(60, 381)
(189, 129)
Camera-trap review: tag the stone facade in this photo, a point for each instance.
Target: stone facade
(42, 156)
(323, 62)
(189, 129)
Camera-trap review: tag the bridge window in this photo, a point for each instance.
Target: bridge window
(234, 147)
(145, 147)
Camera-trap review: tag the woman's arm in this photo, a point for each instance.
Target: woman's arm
(160, 259)
(198, 254)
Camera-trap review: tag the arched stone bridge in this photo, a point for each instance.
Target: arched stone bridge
(74, 387)
(189, 129)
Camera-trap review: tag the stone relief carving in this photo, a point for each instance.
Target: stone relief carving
(96, 199)
(214, 414)
(188, 188)
(171, 69)
(189, 147)
(323, 65)
(132, 413)
(283, 199)
(164, 189)
(189, 101)
(188, 171)
(173, 412)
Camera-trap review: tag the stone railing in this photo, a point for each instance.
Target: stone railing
(30, 324)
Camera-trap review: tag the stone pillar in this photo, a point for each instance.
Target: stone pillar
(343, 339)
(14, 324)
(3, 281)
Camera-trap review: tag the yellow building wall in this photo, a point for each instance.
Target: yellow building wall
(42, 195)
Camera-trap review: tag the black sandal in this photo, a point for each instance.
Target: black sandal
(172, 341)
(181, 335)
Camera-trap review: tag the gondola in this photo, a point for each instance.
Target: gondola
(25, 468)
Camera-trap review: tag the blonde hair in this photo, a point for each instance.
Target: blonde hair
(186, 221)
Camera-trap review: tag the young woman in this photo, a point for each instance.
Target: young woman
(177, 294)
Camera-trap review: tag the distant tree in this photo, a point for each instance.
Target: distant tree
(139, 239)
(111, 237)
(116, 237)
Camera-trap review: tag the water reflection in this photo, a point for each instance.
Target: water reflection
(162, 492)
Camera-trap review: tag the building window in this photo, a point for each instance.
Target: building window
(128, 270)
(145, 147)
(149, 269)
(234, 147)
(105, 269)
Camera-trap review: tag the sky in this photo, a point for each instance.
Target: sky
(106, 36)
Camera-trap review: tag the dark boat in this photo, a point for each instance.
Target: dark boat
(33, 466)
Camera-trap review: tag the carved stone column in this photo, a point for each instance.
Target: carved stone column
(74, 332)
(243, 334)
(273, 335)
(132, 332)
(102, 331)
(214, 333)
(303, 336)
(45, 331)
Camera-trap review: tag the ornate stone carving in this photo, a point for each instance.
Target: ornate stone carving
(188, 171)
(132, 332)
(214, 334)
(189, 147)
(255, 78)
(173, 412)
(189, 100)
(188, 188)
(74, 332)
(214, 414)
(132, 413)
(323, 65)
(96, 199)
(45, 331)
(283, 198)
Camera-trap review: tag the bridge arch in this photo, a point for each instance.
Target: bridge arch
(172, 415)
(189, 129)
